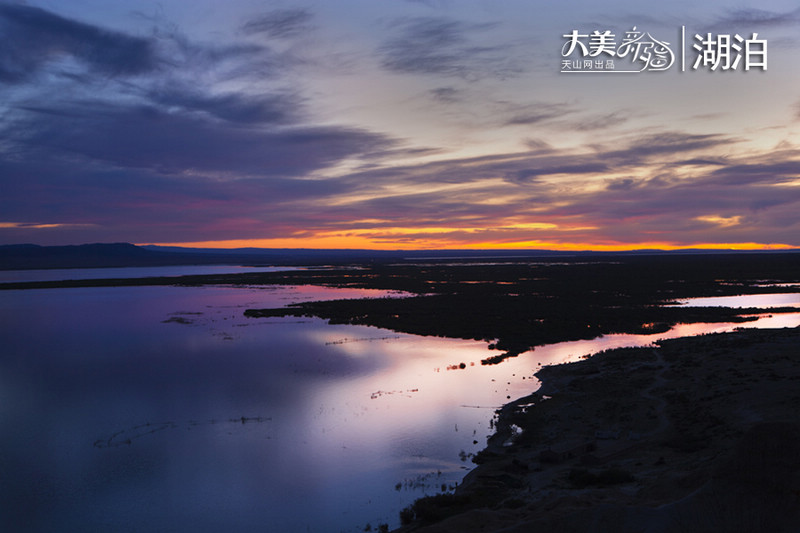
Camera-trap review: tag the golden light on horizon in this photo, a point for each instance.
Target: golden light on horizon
(356, 241)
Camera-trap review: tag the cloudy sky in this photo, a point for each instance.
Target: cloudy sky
(395, 124)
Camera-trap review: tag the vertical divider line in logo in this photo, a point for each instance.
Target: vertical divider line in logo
(683, 48)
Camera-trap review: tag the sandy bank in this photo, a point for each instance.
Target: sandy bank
(699, 434)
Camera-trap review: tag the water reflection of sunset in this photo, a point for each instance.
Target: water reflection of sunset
(348, 413)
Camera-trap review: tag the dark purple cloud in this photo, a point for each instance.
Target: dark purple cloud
(165, 122)
(162, 156)
(622, 184)
(771, 172)
(142, 204)
(34, 37)
(151, 138)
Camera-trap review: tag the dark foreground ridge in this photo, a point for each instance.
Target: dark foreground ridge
(697, 435)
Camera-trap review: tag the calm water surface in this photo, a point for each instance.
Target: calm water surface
(60, 274)
(165, 409)
(787, 299)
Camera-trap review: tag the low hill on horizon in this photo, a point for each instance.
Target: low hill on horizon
(105, 255)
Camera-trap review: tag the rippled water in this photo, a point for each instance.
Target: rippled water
(165, 409)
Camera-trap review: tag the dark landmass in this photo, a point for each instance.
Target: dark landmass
(30, 256)
(517, 306)
(698, 435)
(103, 255)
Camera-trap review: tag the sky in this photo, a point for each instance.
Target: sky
(400, 124)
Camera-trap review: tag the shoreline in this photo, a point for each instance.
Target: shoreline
(697, 434)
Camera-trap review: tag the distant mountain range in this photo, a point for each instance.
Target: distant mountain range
(31, 256)
(101, 255)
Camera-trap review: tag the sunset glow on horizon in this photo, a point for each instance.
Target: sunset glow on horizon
(360, 243)
(416, 124)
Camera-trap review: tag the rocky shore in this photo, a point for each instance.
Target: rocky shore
(697, 434)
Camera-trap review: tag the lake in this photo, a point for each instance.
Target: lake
(165, 409)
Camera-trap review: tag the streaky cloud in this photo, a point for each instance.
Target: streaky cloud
(572, 169)
(537, 114)
(755, 19)
(667, 143)
(278, 108)
(446, 95)
(443, 46)
(279, 24)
